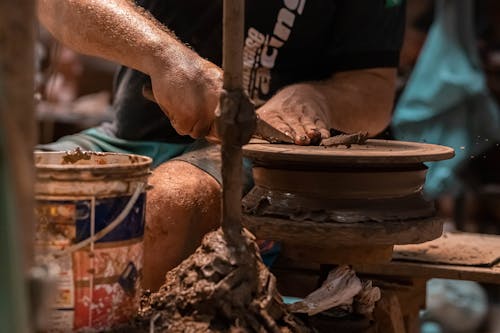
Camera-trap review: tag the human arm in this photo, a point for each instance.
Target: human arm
(359, 63)
(349, 101)
(186, 86)
(360, 100)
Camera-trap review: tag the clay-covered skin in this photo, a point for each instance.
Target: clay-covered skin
(186, 86)
(300, 111)
(350, 102)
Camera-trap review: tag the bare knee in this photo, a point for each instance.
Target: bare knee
(183, 205)
(181, 187)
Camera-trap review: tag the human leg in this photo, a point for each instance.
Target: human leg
(183, 205)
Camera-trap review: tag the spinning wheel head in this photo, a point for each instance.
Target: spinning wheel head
(364, 195)
(374, 153)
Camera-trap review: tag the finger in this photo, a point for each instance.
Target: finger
(184, 125)
(323, 129)
(311, 130)
(314, 136)
(284, 128)
(275, 120)
(293, 120)
(213, 135)
(200, 127)
(165, 111)
(180, 130)
(213, 131)
(317, 115)
(199, 130)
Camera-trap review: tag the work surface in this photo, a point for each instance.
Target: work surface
(463, 256)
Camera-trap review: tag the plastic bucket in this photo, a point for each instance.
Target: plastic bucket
(90, 210)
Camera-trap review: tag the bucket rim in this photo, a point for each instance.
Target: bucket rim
(141, 162)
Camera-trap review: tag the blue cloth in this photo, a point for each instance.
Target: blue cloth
(446, 100)
(269, 251)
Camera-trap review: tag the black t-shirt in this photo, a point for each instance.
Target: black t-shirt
(286, 41)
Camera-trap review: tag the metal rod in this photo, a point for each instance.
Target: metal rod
(232, 64)
(231, 192)
(232, 43)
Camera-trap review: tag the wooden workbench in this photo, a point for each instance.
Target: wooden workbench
(462, 256)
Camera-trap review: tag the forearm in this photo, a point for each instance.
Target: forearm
(116, 30)
(360, 100)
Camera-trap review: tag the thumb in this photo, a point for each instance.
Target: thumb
(213, 135)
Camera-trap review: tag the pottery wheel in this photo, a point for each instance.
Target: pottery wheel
(373, 153)
(363, 194)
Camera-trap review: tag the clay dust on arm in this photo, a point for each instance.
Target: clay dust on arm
(116, 30)
(186, 87)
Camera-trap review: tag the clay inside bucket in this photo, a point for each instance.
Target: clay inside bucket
(79, 159)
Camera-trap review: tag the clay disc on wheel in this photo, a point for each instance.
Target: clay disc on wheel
(378, 152)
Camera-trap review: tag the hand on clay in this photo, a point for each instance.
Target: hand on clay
(299, 111)
(189, 94)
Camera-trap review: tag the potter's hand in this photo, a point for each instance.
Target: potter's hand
(300, 111)
(189, 94)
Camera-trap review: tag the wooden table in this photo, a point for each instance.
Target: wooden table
(461, 256)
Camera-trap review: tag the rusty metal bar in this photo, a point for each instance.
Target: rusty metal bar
(232, 188)
(232, 39)
(231, 124)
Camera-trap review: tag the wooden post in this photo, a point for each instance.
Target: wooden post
(232, 39)
(236, 122)
(17, 138)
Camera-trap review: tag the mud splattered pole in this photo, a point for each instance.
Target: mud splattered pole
(236, 121)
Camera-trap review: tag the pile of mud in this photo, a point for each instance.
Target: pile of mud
(218, 289)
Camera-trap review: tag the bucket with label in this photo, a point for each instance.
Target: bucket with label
(90, 210)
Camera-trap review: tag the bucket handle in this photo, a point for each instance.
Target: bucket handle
(110, 227)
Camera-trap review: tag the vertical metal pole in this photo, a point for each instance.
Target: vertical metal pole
(232, 64)
(232, 39)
